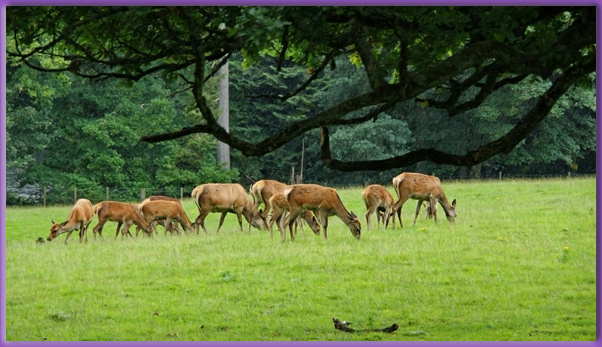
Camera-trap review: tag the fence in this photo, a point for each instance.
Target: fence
(60, 195)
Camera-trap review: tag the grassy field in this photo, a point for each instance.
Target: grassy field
(519, 265)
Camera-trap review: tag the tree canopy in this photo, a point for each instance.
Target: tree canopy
(447, 58)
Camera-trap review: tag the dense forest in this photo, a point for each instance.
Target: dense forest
(75, 135)
(66, 132)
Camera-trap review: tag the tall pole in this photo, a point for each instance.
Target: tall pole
(223, 150)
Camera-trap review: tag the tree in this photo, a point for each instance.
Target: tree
(464, 53)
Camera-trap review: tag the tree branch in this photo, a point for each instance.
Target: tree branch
(314, 75)
(504, 144)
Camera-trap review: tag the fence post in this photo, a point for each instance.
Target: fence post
(181, 193)
(74, 195)
(142, 194)
(107, 193)
(500, 175)
(44, 196)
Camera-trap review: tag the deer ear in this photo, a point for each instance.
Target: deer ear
(352, 214)
(52, 220)
(454, 203)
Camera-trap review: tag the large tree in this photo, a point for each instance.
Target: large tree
(460, 54)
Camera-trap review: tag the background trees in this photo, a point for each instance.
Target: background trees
(394, 89)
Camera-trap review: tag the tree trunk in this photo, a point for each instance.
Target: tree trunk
(223, 150)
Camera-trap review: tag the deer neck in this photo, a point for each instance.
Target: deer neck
(444, 203)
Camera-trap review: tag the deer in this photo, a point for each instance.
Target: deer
(263, 190)
(377, 198)
(171, 227)
(152, 210)
(410, 185)
(280, 206)
(325, 202)
(80, 216)
(123, 213)
(224, 198)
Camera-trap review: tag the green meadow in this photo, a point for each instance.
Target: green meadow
(518, 265)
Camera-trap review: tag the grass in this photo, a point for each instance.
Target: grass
(518, 265)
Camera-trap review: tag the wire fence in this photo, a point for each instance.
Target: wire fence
(46, 196)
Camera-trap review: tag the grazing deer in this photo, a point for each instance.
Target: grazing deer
(80, 217)
(224, 198)
(263, 190)
(377, 198)
(279, 205)
(152, 210)
(120, 212)
(171, 227)
(324, 201)
(409, 185)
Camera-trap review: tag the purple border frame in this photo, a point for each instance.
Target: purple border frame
(3, 341)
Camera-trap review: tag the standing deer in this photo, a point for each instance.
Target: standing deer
(172, 227)
(324, 201)
(263, 190)
(80, 217)
(409, 185)
(123, 213)
(152, 210)
(377, 198)
(280, 206)
(224, 198)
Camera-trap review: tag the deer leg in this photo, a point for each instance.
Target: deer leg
(86, 229)
(434, 207)
(280, 224)
(392, 214)
(221, 221)
(81, 232)
(291, 217)
(98, 228)
(369, 213)
(324, 221)
(386, 217)
(418, 205)
(290, 229)
(398, 206)
(117, 230)
(200, 220)
(277, 217)
(126, 230)
(68, 234)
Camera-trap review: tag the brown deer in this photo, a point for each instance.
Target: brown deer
(80, 217)
(410, 185)
(377, 198)
(171, 227)
(279, 205)
(123, 213)
(152, 210)
(263, 190)
(224, 198)
(324, 201)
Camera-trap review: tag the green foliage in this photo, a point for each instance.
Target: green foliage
(87, 137)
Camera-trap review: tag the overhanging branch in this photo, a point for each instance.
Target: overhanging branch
(504, 144)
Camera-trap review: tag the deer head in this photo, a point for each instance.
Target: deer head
(355, 226)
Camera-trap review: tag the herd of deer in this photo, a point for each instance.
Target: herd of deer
(289, 204)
